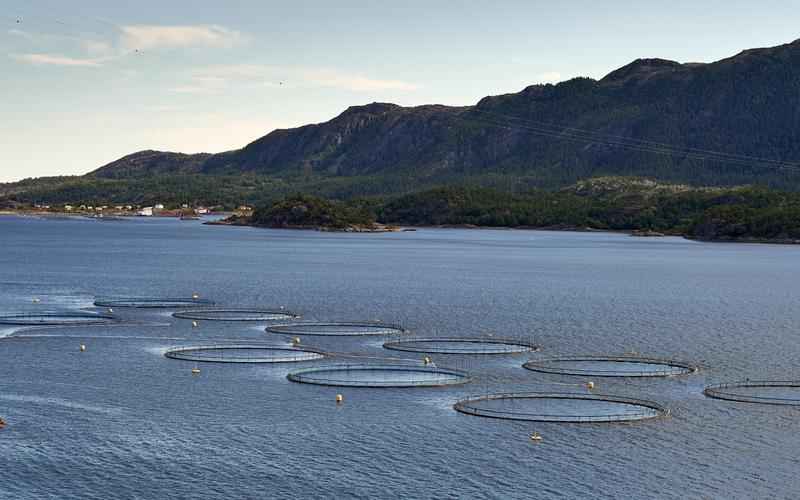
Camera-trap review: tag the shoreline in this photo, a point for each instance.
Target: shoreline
(634, 233)
(382, 229)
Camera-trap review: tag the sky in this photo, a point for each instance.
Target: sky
(83, 83)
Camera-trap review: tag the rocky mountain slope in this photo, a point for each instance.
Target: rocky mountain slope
(733, 121)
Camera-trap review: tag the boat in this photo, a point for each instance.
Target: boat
(536, 436)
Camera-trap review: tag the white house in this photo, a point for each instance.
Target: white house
(145, 212)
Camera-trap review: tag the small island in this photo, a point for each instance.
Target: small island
(310, 212)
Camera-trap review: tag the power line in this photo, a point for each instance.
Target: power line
(563, 128)
(590, 137)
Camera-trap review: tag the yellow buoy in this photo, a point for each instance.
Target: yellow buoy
(339, 399)
(590, 384)
(83, 348)
(195, 371)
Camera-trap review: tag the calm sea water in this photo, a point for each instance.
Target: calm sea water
(122, 421)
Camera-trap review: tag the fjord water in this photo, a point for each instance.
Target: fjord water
(122, 421)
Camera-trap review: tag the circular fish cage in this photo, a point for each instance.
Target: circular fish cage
(336, 329)
(56, 319)
(610, 366)
(153, 302)
(238, 314)
(243, 353)
(769, 392)
(462, 345)
(379, 375)
(560, 407)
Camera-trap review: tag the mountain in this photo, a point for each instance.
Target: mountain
(729, 122)
(149, 163)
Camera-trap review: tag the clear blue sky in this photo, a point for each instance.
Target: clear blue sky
(83, 83)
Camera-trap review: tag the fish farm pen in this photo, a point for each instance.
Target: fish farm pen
(244, 353)
(610, 366)
(333, 329)
(241, 314)
(153, 303)
(462, 345)
(56, 319)
(379, 375)
(560, 407)
(770, 392)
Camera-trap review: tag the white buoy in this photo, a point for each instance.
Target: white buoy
(110, 310)
(590, 385)
(83, 348)
(195, 296)
(296, 341)
(195, 324)
(36, 300)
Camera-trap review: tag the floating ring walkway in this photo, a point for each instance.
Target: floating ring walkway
(610, 366)
(336, 329)
(56, 319)
(236, 314)
(379, 375)
(560, 407)
(462, 345)
(244, 353)
(770, 392)
(153, 302)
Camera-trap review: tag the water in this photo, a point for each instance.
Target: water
(122, 421)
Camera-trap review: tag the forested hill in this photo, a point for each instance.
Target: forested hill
(653, 117)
